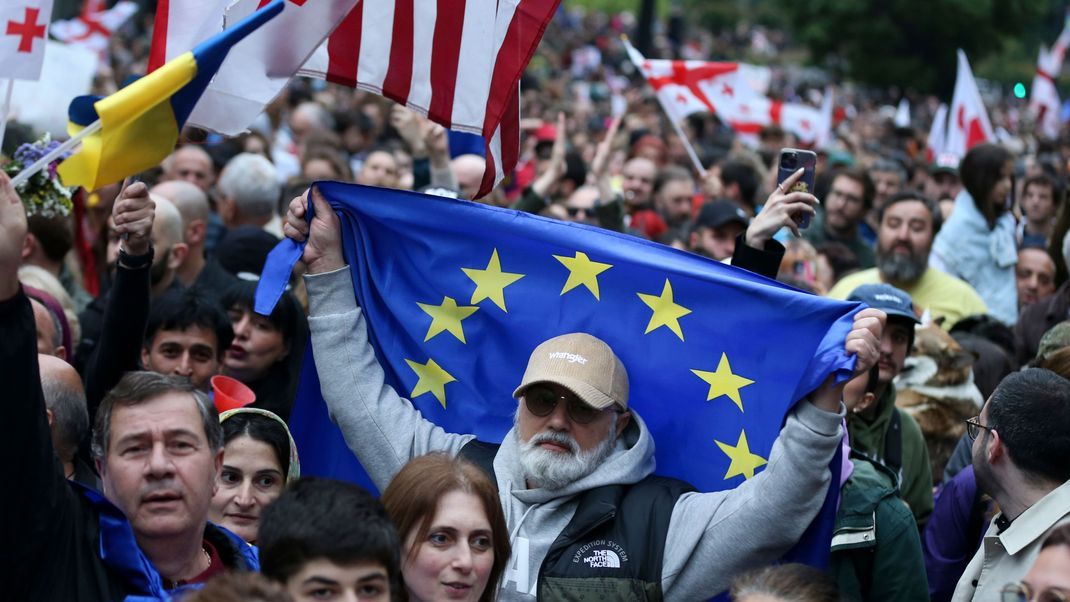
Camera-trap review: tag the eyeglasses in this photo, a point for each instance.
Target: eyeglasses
(847, 197)
(1020, 592)
(972, 424)
(541, 401)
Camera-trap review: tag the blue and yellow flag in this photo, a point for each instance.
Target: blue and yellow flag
(140, 123)
(457, 295)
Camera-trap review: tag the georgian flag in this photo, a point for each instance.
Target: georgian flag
(24, 29)
(967, 123)
(724, 89)
(94, 26)
(1044, 98)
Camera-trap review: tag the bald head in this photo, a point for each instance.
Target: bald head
(65, 403)
(192, 164)
(468, 169)
(49, 331)
(191, 201)
(167, 226)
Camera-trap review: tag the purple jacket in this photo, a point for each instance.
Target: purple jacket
(953, 533)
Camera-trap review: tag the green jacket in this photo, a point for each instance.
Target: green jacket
(876, 549)
(816, 235)
(870, 438)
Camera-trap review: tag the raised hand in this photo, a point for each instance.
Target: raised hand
(12, 237)
(134, 213)
(323, 253)
(782, 209)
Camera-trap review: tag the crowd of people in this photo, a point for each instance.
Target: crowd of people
(127, 321)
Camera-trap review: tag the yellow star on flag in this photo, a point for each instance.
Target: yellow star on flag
(447, 317)
(581, 270)
(432, 379)
(491, 282)
(666, 312)
(723, 382)
(743, 462)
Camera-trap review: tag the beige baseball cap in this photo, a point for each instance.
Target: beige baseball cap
(582, 364)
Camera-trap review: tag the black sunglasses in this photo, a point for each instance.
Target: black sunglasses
(541, 401)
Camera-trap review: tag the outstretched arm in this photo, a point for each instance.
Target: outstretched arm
(716, 536)
(382, 429)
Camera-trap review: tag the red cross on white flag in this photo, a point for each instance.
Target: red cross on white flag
(23, 31)
(94, 26)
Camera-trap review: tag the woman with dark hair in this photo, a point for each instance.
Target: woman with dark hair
(266, 352)
(259, 459)
(454, 540)
(977, 243)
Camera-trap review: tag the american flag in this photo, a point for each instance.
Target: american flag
(456, 61)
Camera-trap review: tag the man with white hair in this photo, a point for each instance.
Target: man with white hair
(575, 474)
(248, 191)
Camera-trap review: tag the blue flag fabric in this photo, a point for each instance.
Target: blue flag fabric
(457, 294)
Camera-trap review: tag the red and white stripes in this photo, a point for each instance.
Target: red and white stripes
(456, 61)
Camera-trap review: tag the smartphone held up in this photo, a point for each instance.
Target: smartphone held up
(791, 159)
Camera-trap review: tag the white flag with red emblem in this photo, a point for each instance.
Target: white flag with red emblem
(1044, 98)
(24, 26)
(967, 123)
(94, 26)
(724, 89)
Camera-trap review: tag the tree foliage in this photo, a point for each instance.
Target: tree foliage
(910, 43)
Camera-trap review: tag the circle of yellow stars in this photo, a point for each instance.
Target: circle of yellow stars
(491, 283)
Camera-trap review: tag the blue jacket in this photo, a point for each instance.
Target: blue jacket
(62, 541)
(967, 249)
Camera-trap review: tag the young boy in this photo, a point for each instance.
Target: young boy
(324, 539)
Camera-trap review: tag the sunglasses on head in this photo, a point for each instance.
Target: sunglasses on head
(541, 401)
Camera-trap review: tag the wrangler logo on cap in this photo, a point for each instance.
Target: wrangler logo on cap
(571, 358)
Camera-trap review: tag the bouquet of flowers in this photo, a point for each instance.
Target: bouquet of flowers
(42, 194)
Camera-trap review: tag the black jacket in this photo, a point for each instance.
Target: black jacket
(54, 531)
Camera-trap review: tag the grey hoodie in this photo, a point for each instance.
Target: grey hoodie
(712, 537)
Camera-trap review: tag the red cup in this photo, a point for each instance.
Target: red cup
(230, 393)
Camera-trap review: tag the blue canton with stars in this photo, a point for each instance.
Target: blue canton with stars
(457, 294)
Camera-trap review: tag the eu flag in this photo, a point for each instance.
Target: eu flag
(457, 295)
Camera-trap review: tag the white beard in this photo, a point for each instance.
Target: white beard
(554, 470)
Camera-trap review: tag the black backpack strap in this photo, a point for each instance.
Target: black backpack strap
(482, 455)
(893, 444)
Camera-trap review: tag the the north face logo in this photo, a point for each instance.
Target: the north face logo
(602, 559)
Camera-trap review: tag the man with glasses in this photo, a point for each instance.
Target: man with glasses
(1021, 458)
(586, 512)
(1049, 579)
(849, 198)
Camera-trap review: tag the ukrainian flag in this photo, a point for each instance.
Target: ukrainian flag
(140, 123)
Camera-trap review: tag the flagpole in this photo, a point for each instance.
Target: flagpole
(687, 143)
(56, 153)
(5, 110)
(676, 126)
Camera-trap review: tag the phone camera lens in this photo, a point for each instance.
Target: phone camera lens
(788, 161)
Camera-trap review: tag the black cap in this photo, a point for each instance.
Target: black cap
(887, 298)
(718, 213)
